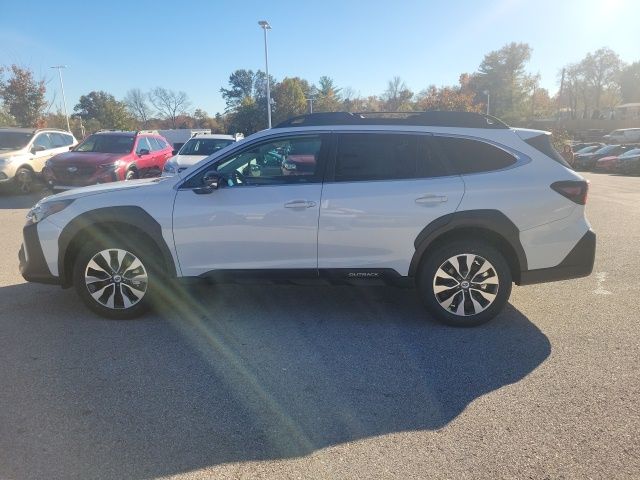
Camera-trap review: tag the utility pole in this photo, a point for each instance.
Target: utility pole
(265, 26)
(64, 100)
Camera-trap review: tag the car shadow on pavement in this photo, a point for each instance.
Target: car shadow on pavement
(10, 200)
(235, 373)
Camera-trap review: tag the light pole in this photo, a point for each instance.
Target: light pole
(265, 26)
(64, 100)
(486, 92)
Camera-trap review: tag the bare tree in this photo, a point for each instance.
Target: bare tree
(169, 104)
(136, 102)
(397, 96)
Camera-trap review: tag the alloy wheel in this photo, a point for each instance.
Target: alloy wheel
(466, 284)
(116, 278)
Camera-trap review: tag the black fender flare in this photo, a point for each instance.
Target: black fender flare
(135, 217)
(491, 220)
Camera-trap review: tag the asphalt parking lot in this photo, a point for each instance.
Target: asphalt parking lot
(271, 381)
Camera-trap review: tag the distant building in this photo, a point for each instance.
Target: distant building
(628, 111)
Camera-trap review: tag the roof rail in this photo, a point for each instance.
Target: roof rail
(432, 118)
(150, 132)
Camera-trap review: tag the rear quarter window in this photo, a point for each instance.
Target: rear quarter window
(474, 156)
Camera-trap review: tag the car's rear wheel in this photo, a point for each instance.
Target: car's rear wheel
(465, 283)
(115, 280)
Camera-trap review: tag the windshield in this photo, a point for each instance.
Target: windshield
(631, 153)
(606, 149)
(204, 146)
(14, 140)
(106, 144)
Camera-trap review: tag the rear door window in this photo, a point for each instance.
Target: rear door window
(473, 156)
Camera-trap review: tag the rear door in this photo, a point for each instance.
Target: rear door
(382, 189)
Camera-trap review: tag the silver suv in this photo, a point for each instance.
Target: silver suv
(23, 152)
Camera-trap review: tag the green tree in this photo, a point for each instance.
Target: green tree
(327, 96)
(101, 109)
(601, 70)
(502, 74)
(6, 120)
(630, 83)
(22, 96)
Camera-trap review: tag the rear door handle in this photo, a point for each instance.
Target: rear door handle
(431, 199)
(300, 204)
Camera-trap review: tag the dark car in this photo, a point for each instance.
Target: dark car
(629, 162)
(108, 156)
(586, 161)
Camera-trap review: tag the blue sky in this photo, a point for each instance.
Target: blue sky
(194, 45)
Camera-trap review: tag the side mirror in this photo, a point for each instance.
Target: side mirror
(174, 152)
(211, 181)
(37, 148)
(72, 148)
(144, 151)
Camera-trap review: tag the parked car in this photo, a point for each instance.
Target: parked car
(456, 203)
(587, 161)
(629, 162)
(578, 146)
(24, 151)
(611, 163)
(198, 147)
(624, 135)
(108, 156)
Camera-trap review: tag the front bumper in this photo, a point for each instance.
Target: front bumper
(33, 266)
(578, 263)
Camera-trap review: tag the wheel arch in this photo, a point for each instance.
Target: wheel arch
(127, 221)
(490, 225)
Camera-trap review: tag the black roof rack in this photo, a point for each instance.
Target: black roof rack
(432, 118)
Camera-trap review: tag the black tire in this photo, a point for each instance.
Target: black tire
(23, 180)
(126, 278)
(131, 175)
(465, 305)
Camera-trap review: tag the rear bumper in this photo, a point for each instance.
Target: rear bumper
(578, 263)
(33, 266)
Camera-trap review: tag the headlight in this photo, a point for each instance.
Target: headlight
(111, 166)
(42, 210)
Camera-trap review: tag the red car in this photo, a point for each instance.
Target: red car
(606, 164)
(108, 156)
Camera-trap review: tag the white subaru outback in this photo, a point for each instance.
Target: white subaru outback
(457, 204)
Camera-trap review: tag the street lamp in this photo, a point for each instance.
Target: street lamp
(64, 100)
(265, 26)
(486, 92)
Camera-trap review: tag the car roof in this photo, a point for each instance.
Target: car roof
(216, 136)
(32, 130)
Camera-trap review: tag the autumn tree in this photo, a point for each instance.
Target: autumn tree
(23, 97)
(289, 97)
(600, 70)
(169, 104)
(455, 98)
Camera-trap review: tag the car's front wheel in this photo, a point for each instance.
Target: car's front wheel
(465, 283)
(115, 281)
(24, 180)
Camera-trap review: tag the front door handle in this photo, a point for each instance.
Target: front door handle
(300, 204)
(431, 199)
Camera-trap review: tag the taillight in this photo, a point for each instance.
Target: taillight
(574, 190)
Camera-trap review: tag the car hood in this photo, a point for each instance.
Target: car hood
(609, 158)
(188, 160)
(107, 187)
(11, 153)
(89, 158)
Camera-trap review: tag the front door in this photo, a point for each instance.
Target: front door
(264, 217)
